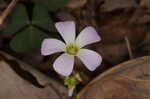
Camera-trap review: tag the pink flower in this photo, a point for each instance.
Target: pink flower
(72, 47)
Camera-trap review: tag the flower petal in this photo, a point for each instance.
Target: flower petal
(66, 30)
(50, 46)
(64, 64)
(90, 58)
(87, 36)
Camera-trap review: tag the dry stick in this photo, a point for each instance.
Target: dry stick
(129, 47)
(7, 11)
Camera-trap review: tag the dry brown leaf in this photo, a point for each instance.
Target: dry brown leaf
(145, 47)
(130, 80)
(115, 28)
(65, 16)
(22, 89)
(145, 3)
(140, 16)
(147, 37)
(2, 4)
(76, 3)
(113, 53)
(110, 5)
(114, 48)
(14, 87)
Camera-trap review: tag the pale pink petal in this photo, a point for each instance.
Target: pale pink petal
(51, 46)
(90, 58)
(87, 36)
(66, 30)
(64, 64)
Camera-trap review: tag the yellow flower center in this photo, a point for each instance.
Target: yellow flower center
(72, 49)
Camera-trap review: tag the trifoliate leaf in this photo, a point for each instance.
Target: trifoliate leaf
(27, 40)
(41, 18)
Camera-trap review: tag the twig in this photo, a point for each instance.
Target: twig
(7, 11)
(129, 47)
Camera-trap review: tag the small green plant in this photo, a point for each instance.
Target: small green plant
(28, 29)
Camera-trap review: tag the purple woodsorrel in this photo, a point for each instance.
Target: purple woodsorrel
(72, 47)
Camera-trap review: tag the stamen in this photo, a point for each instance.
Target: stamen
(72, 49)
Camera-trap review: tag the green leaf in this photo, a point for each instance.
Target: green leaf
(52, 4)
(28, 40)
(19, 19)
(41, 18)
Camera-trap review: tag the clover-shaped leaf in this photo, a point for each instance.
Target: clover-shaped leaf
(27, 40)
(29, 35)
(41, 18)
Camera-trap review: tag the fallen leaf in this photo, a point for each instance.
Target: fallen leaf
(65, 16)
(20, 88)
(145, 3)
(110, 5)
(130, 80)
(140, 16)
(76, 3)
(113, 53)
